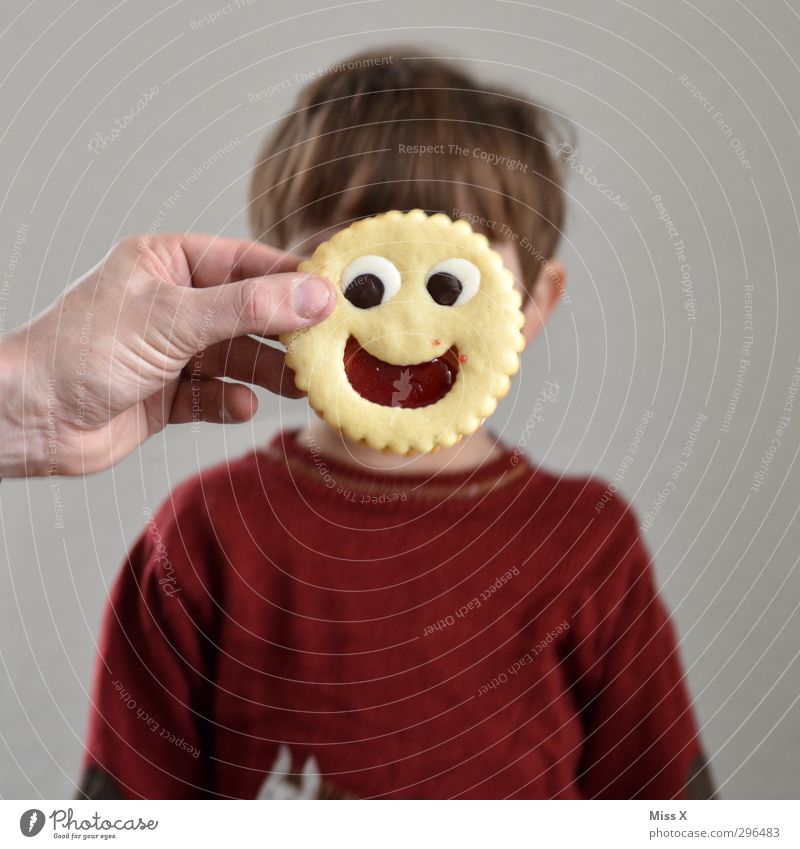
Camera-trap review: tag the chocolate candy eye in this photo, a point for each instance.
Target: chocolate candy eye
(453, 282)
(369, 281)
(444, 288)
(365, 291)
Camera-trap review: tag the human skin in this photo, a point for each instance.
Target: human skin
(142, 341)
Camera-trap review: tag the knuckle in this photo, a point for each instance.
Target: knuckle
(139, 289)
(153, 253)
(257, 306)
(237, 262)
(152, 293)
(133, 244)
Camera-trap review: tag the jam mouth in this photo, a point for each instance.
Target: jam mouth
(406, 386)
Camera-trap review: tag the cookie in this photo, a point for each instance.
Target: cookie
(424, 337)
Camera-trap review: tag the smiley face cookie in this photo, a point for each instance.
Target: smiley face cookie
(424, 337)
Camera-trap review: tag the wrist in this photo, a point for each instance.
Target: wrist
(23, 415)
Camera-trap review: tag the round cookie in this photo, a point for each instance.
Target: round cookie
(424, 337)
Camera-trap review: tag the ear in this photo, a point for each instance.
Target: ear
(547, 290)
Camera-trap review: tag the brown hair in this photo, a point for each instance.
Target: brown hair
(380, 132)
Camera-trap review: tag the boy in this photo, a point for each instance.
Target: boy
(318, 619)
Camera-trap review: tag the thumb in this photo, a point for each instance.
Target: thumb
(269, 305)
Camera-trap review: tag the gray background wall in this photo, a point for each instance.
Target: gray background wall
(624, 344)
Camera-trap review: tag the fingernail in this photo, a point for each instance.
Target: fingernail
(310, 296)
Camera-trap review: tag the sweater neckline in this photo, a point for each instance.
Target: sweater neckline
(328, 475)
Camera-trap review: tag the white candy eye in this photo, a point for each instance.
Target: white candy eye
(369, 281)
(453, 282)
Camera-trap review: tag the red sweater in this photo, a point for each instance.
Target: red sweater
(286, 625)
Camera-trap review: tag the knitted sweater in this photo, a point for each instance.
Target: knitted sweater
(287, 625)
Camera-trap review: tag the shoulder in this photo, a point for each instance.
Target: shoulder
(204, 511)
(586, 503)
(184, 544)
(218, 487)
(591, 526)
(601, 566)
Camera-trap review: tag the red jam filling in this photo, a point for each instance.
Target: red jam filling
(409, 386)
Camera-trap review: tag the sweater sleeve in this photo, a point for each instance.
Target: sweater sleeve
(148, 722)
(641, 739)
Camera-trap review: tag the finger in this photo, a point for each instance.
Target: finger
(214, 259)
(247, 360)
(212, 400)
(269, 305)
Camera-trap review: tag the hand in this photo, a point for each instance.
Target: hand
(141, 342)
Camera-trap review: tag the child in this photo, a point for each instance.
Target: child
(318, 619)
